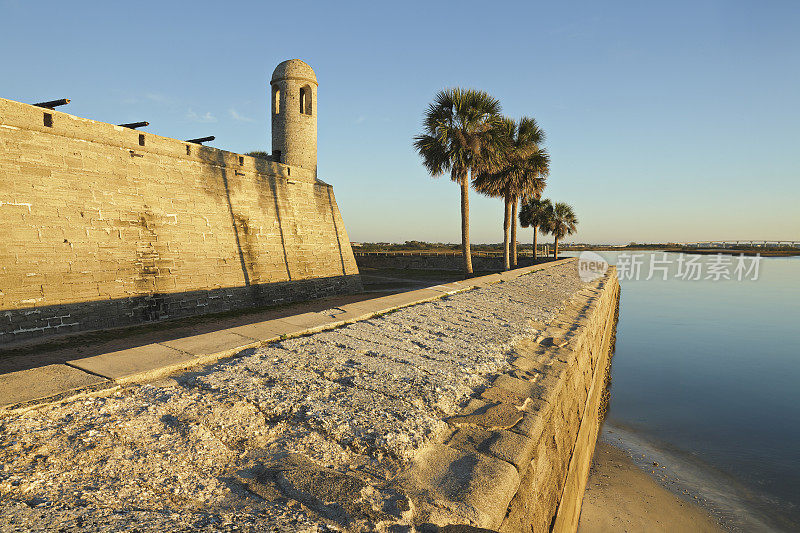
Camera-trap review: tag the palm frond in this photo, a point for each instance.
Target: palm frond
(564, 221)
(460, 133)
(517, 167)
(536, 212)
(434, 154)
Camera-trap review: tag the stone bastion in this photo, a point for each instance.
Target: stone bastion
(105, 226)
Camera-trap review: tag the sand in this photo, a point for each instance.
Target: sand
(621, 497)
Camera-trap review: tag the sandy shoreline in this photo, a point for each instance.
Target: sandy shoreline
(637, 486)
(622, 497)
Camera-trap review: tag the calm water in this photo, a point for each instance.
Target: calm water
(711, 369)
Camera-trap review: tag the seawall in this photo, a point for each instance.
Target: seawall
(518, 456)
(471, 403)
(104, 226)
(435, 261)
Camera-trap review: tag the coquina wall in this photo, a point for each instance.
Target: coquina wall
(103, 226)
(518, 458)
(574, 353)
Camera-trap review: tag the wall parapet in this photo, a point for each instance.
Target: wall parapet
(29, 117)
(518, 456)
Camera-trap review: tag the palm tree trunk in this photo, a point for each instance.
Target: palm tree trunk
(535, 234)
(514, 203)
(506, 227)
(555, 250)
(465, 249)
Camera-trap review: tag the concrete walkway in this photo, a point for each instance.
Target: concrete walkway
(51, 382)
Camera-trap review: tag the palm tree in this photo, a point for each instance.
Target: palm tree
(534, 170)
(519, 171)
(563, 223)
(460, 135)
(536, 213)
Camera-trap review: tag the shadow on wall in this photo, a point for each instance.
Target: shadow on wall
(278, 189)
(273, 185)
(43, 323)
(336, 230)
(153, 286)
(272, 193)
(217, 160)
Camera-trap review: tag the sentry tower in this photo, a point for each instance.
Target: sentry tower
(294, 114)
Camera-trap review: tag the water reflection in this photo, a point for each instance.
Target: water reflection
(712, 369)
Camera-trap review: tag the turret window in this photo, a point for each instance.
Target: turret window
(276, 100)
(305, 100)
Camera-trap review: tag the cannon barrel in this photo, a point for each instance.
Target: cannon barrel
(134, 125)
(201, 140)
(52, 104)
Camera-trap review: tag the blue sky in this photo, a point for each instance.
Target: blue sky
(669, 121)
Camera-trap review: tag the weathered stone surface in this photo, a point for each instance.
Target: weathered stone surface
(488, 415)
(531, 376)
(340, 498)
(563, 428)
(512, 447)
(294, 114)
(524, 388)
(42, 382)
(536, 414)
(559, 339)
(461, 528)
(470, 439)
(496, 394)
(356, 404)
(449, 486)
(527, 364)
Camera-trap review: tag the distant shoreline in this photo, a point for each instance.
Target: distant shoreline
(525, 251)
(764, 252)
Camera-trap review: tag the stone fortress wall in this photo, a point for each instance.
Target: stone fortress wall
(104, 226)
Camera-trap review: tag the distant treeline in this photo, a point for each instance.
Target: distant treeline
(486, 247)
(498, 247)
